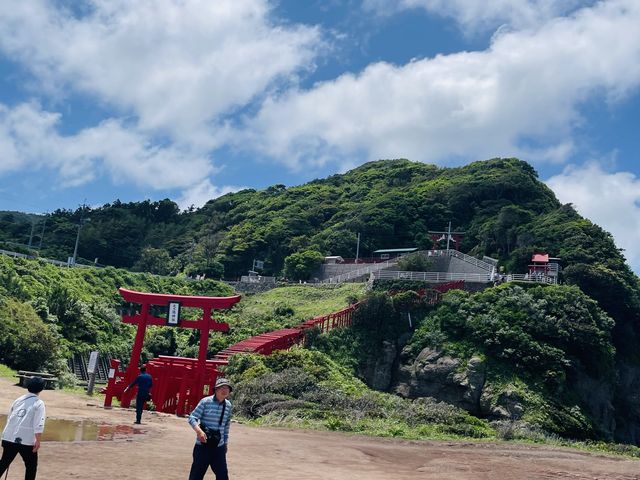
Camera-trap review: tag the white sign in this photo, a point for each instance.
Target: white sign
(173, 316)
(93, 361)
(112, 372)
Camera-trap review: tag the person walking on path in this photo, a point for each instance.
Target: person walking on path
(23, 432)
(211, 420)
(144, 383)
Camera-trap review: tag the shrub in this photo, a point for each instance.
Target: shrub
(519, 430)
(26, 342)
(541, 331)
(415, 262)
(301, 265)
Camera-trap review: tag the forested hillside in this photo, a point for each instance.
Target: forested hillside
(391, 203)
(505, 210)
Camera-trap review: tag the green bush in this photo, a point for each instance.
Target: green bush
(541, 332)
(26, 342)
(415, 262)
(301, 265)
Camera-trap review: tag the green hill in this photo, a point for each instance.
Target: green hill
(506, 211)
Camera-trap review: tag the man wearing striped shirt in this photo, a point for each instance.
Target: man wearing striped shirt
(213, 413)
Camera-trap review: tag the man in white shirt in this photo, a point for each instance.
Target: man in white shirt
(25, 424)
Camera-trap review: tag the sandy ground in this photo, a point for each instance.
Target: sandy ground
(164, 453)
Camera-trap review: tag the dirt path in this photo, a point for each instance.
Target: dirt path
(164, 453)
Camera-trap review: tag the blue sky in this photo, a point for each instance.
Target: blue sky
(191, 99)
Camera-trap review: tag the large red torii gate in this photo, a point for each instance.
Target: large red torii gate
(178, 382)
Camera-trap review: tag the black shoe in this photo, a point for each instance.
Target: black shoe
(138, 423)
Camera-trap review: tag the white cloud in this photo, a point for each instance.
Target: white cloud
(169, 71)
(519, 97)
(611, 200)
(29, 140)
(175, 64)
(488, 14)
(202, 192)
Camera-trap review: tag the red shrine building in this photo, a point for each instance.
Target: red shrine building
(543, 266)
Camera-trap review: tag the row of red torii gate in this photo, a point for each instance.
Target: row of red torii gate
(179, 382)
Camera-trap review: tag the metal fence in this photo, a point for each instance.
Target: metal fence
(258, 279)
(432, 276)
(31, 257)
(371, 268)
(472, 260)
(525, 277)
(436, 277)
(47, 260)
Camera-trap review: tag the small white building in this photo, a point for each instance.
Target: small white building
(333, 259)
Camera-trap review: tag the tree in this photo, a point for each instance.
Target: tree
(301, 265)
(415, 262)
(154, 260)
(26, 342)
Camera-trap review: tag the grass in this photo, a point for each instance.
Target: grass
(285, 307)
(7, 372)
(306, 301)
(367, 427)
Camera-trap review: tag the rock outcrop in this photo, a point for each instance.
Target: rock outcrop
(378, 372)
(443, 377)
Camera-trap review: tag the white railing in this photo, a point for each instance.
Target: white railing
(48, 260)
(434, 277)
(525, 277)
(370, 268)
(472, 260)
(31, 257)
(491, 261)
(257, 279)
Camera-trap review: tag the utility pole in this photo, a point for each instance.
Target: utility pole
(448, 235)
(44, 222)
(358, 248)
(33, 226)
(75, 249)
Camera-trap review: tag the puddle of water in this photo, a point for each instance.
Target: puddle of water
(57, 430)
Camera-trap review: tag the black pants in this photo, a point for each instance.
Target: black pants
(29, 457)
(206, 456)
(139, 406)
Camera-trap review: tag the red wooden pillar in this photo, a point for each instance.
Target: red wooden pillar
(111, 384)
(204, 344)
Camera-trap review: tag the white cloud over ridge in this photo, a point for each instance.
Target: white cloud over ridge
(202, 192)
(519, 97)
(611, 200)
